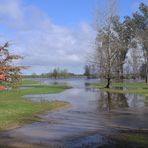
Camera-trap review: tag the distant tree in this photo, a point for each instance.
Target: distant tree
(55, 73)
(34, 75)
(87, 71)
(65, 73)
(10, 74)
(93, 71)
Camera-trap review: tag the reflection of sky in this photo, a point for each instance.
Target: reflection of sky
(82, 96)
(135, 101)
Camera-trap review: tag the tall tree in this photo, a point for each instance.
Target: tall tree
(140, 19)
(107, 46)
(107, 54)
(124, 32)
(55, 73)
(87, 72)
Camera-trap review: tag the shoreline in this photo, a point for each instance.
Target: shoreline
(15, 110)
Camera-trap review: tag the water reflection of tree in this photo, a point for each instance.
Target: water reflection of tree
(89, 88)
(109, 101)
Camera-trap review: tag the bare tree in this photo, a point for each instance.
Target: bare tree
(107, 46)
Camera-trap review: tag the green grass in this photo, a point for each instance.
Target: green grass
(136, 137)
(15, 110)
(138, 88)
(29, 82)
(133, 137)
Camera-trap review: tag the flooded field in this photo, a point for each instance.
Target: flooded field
(90, 120)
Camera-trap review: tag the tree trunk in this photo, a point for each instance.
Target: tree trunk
(146, 71)
(121, 73)
(146, 78)
(108, 83)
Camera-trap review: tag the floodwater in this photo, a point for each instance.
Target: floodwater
(89, 121)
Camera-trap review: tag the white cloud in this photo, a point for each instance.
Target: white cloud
(44, 44)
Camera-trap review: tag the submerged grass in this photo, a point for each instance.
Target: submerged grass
(15, 110)
(135, 139)
(138, 88)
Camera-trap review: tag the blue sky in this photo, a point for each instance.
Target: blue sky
(53, 33)
(71, 12)
(66, 12)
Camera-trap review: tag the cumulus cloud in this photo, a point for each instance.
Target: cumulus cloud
(44, 44)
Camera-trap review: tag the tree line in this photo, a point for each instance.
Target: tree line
(122, 46)
(56, 73)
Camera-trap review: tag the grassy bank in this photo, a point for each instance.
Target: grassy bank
(132, 138)
(15, 110)
(138, 88)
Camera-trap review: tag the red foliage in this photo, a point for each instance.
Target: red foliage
(2, 77)
(2, 88)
